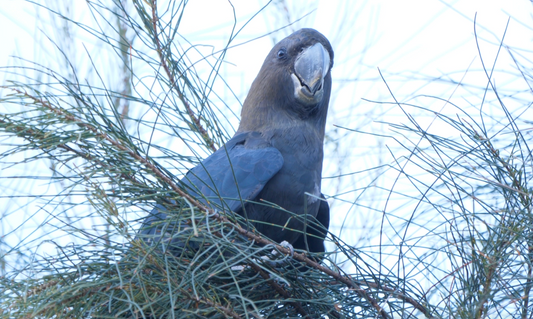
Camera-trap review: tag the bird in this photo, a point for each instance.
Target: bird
(270, 171)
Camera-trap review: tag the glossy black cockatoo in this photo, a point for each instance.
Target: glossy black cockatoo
(276, 154)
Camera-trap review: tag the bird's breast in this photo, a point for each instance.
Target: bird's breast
(295, 187)
(300, 176)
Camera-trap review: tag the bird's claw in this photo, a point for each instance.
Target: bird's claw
(275, 253)
(285, 244)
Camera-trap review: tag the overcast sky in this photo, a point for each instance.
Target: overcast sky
(424, 35)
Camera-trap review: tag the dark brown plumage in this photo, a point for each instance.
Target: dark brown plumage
(292, 119)
(276, 154)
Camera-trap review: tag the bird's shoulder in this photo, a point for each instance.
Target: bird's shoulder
(236, 171)
(248, 146)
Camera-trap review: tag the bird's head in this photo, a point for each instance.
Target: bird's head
(307, 56)
(294, 82)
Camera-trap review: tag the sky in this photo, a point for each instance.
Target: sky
(424, 35)
(384, 50)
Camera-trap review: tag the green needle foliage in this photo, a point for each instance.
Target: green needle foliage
(97, 158)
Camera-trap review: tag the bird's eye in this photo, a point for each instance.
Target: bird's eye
(282, 53)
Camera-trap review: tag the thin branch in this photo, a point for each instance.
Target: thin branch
(190, 112)
(213, 214)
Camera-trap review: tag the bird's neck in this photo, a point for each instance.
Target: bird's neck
(262, 118)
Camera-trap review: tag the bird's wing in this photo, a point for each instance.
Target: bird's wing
(235, 173)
